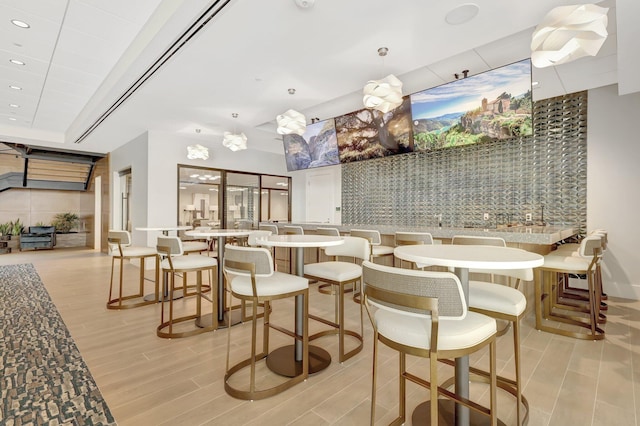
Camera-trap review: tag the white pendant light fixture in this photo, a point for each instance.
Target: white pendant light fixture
(234, 141)
(291, 122)
(383, 95)
(568, 33)
(197, 152)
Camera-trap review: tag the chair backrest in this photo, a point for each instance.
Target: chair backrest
(525, 274)
(353, 247)
(257, 235)
(169, 246)
(589, 243)
(269, 227)
(328, 231)
(293, 230)
(370, 234)
(203, 228)
(471, 240)
(257, 256)
(123, 236)
(413, 238)
(400, 289)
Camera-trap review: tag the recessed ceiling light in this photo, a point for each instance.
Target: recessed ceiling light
(19, 23)
(15, 87)
(16, 62)
(195, 175)
(534, 83)
(461, 14)
(12, 118)
(14, 105)
(183, 187)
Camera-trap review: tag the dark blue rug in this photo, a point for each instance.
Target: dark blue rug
(44, 378)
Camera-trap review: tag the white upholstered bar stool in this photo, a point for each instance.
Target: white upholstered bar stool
(326, 288)
(120, 249)
(340, 274)
(565, 290)
(173, 262)
(423, 313)
(412, 238)
(250, 277)
(377, 249)
(292, 230)
(504, 303)
(550, 308)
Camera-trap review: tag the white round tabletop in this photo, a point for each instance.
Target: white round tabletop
(468, 256)
(219, 233)
(300, 241)
(164, 228)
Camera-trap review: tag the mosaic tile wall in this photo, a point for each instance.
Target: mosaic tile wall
(506, 179)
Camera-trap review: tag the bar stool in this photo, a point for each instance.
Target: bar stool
(504, 303)
(327, 288)
(549, 307)
(412, 238)
(377, 249)
(340, 274)
(292, 230)
(174, 261)
(251, 278)
(120, 248)
(423, 313)
(565, 290)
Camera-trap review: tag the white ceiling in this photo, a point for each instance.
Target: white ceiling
(82, 55)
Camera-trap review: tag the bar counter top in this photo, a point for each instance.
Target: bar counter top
(542, 235)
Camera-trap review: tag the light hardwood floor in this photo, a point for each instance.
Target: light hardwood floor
(147, 380)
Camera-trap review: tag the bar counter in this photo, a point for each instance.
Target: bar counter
(514, 236)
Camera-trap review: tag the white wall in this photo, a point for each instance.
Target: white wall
(166, 151)
(613, 178)
(133, 155)
(299, 181)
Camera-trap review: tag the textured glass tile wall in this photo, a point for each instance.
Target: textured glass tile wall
(506, 179)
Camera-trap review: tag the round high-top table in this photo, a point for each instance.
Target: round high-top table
(165, 229)
(287, 360)
(463, 258)
(221, 235)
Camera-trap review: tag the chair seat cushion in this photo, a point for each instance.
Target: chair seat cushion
(566, 263)
(273, 285)
(194, 246)
(496, 298)
(415, 331)
(334, 271)
(381, 250)
(133, 251)
(190, 262)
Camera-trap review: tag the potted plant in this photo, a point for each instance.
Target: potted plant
(65, 222)
(16, 228)
(5, 231)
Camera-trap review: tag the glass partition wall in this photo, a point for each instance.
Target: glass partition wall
(230, 199)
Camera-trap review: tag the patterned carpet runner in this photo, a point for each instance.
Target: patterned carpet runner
(44, 380)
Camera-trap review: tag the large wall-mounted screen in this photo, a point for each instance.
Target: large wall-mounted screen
(317, 147)
(493, 105)
(369, 133)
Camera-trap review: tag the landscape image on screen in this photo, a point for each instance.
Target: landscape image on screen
(369, 133)
(493, 105)
(317, 147)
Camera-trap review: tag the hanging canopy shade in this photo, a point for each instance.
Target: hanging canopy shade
(291, 122)
(235, 142)
(197, 152)
(568, 33)
(383, 95)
